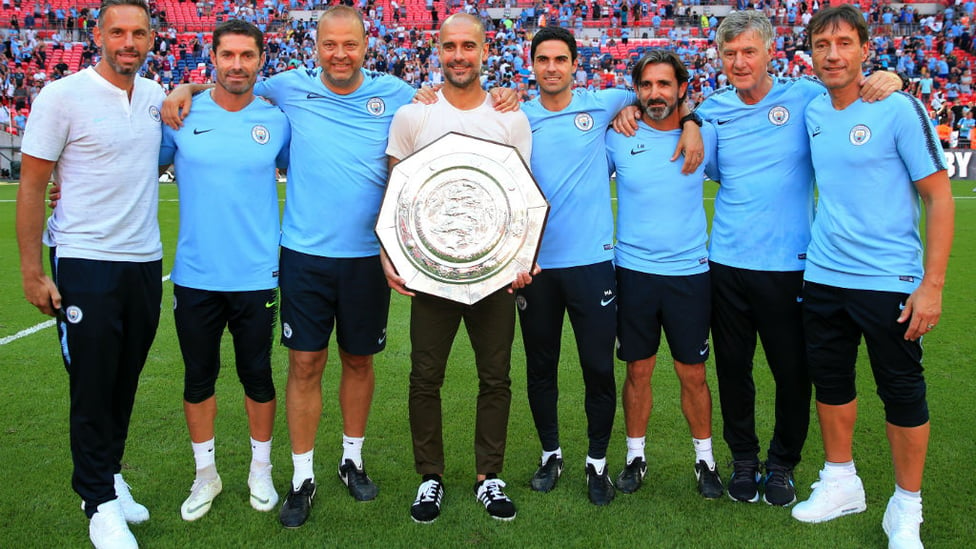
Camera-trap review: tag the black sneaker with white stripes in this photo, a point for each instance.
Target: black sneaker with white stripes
(427, 507)
(489, 492)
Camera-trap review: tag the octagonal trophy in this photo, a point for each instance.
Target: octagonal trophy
(462, 217)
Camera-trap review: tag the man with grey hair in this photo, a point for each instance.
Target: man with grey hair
(105, 250)
(757, 253)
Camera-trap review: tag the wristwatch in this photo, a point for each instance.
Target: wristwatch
(693, 117)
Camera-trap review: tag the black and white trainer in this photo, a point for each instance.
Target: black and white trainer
(545, 477)
(630, 479)
(427, 507)
(361, 487)
(489, 492)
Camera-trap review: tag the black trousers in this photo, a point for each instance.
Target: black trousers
(107, 322)
(745, 304)
(588, 293)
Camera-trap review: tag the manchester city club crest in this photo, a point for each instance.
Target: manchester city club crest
(860, 135)
(73, 314)
(778, 115)
(376, 106)
(154, 112)
(583, 122)
(260, 134)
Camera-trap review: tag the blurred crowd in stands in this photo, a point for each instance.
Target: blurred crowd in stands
(935, 51)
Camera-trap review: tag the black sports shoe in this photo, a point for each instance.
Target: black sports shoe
(744, 482)
(779, 486)
(298, 503)
(630, 479)
(709, 482)
(427, 507)
(547, 474)
(360, 485)
(599, 486)
(489, 492)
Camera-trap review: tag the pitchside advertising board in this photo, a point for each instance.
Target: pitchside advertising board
(961, 163)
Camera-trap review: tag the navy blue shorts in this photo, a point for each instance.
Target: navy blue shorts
(319, 293)
(202, 315)
(646, 303)
(834, 320)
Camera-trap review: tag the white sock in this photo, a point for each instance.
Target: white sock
(352, 448)
(303, 468)
(635, 449)
(558, 452)
(260, 455)
(906, 495)
(703, 451)
(203, 455)
(843, 469)
(598, 464)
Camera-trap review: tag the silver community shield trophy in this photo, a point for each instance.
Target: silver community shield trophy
(462, 217)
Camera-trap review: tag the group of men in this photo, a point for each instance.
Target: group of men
(808, 295)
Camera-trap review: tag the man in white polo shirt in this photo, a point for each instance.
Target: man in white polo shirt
(98, 133)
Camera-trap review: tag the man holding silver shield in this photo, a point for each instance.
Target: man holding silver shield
(464, 107)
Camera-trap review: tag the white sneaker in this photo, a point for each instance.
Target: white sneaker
(832, 497)
(901, 522)
(108, 530)
(202, 494)
(263, 494)
(133, 511)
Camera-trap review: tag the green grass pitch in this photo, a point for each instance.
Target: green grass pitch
(39, 509)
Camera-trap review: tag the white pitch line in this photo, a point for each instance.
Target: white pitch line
(38, 327)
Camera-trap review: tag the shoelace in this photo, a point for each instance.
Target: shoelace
(778, 477)
(745, 470)
(491, 490)
(430, 491)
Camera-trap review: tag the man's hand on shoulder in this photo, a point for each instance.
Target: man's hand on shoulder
(504, 99)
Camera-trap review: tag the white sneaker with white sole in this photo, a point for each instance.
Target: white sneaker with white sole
(833, 496)
(202, 494)
(108, 530)
(901, 523)
(263, 494)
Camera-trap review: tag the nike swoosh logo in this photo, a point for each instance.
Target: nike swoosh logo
(816, 133)
(901, 306)
(269, 304)
(535, 129)
(605, 302)
(703, 352)
(198, 132)
(799, 299)
(381, 340)
(259, 500)
(635, 152)
(192, 510)
(723, 122)
(312, 95)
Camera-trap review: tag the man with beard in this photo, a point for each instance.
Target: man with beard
(98, 132)
(226, 268)
(662, 262)
(464, 107)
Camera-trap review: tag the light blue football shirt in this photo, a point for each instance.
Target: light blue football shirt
(225, 171)
(569, 163)
(338, 159)
(866, 158)
(661, 226)
(764, 205)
